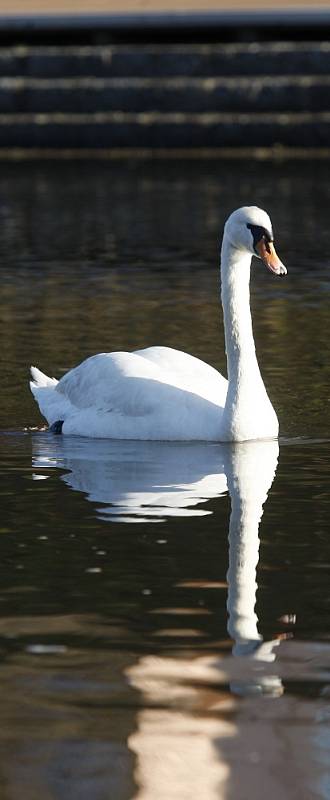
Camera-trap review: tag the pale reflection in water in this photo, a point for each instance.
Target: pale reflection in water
(149, 481)
(250, 470)
(179, 753)
(137, 481)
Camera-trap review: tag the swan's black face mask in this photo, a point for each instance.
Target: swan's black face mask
(259, 233)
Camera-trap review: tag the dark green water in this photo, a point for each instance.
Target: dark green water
(134, 664)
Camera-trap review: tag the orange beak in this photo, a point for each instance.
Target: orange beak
(268, 254)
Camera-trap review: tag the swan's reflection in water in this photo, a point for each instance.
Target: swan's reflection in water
(150, 481)
(137, 481)
(184, 737)
(250, 470)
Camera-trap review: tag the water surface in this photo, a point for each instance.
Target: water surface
(165, 608)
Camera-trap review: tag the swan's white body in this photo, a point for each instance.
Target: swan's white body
(165, 394)
(157, 393)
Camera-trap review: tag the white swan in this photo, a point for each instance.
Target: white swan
(161, 393)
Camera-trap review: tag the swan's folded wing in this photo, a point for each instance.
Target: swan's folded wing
(188, 372)
(134, 385)
(109, 382)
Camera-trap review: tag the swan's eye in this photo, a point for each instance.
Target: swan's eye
(258, 233)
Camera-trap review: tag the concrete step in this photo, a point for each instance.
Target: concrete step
(159, 131)
(197, 60)
(165, 95)
(84, 95)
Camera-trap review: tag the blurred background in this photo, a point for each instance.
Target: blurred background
(163, 75)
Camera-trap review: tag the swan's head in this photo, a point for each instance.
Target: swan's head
(250, 229)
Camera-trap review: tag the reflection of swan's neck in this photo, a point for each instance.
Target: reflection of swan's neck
(235, 294)
(250, 473)
(243, 559)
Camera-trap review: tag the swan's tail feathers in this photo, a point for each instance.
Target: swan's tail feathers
(52, 404)
(39, 379)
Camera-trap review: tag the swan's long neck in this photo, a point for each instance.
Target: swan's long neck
(235, 296)
(248, 413)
